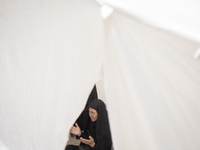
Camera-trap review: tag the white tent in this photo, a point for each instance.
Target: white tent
(141, 53)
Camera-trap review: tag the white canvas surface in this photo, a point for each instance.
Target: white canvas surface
(53, 52)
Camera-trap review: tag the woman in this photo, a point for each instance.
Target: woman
(95, 133)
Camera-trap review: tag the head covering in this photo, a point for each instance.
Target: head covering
(103, 134)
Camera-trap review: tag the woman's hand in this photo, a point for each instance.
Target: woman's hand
(75, 130)
(89, 142)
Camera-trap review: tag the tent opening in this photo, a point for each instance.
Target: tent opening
(91, 129)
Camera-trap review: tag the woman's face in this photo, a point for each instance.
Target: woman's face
(93, 114)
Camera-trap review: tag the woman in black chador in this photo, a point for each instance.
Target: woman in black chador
(95, 131)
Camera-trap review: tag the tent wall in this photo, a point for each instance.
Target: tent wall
(152, 86)
(50, 57)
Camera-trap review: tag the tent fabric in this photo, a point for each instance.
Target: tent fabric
(53, 52)
(153, 79)
(178, 16)
(50, 58)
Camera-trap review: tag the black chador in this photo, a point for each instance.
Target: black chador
(100, 129)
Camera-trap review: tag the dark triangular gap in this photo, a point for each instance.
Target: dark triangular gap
(80, 120)
(93, 95)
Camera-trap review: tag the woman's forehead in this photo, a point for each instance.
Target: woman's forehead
(91, 109)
